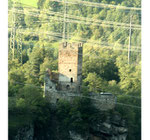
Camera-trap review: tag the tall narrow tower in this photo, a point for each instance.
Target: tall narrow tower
(70, 67)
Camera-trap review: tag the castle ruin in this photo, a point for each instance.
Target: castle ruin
(66, 83)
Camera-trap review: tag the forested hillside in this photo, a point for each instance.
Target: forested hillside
(35, 32)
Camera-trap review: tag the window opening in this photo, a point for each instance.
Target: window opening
(57, 100)
(71, 80)
(67, 87)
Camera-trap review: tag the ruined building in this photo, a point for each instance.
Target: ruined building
(66, 83)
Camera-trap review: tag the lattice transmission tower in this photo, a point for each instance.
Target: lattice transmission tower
(13, 33)
(15, 48)
(66, 25)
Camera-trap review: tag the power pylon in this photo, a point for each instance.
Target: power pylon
(19, 48)
(129, 47)
(13, 33)
(15, 40)
(65, 23)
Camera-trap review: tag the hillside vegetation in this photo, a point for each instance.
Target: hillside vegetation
(38, 30)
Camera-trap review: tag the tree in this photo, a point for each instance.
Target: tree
(95, 83)
(32, 67)
(130, 76)
(101, 61)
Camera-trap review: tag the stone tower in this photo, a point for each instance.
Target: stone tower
(70, 67)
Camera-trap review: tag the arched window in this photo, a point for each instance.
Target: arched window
(71, 80)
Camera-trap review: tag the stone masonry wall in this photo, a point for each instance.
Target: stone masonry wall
(100, 101)
(70, 66)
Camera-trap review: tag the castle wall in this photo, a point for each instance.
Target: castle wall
(104, 101)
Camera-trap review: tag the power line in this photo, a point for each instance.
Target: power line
(94, 4)
(123, 10)
(128, 105)
(44, 72)
(79, 17)
(29, 30)
(84, 41)
(88, 20)
(94, 42)
(102, 46)
(130, 32)
(32, 14)
(81, 96)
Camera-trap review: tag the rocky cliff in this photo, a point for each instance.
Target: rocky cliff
(112, 128)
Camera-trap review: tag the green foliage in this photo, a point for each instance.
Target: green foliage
(130, 76)
(113, 87)
(95, 84)
(101, 61)
(104, 69)
(32, 3)
(25, 56)
(29, 107)
(13, 64)
(76, 116)
(131, 115)
(30, 21)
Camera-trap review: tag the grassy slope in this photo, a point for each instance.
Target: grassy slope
(32, 3)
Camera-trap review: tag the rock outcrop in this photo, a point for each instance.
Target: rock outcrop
(114, 128)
